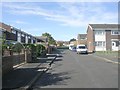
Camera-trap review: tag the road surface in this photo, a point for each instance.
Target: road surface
(79, 71)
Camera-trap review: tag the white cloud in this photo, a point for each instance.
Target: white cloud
(60, 1)
(20, 22)
(80, 15)
(69, 14)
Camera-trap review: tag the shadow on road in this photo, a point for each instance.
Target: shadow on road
(52, 79)
(60, 51)
(18, 78)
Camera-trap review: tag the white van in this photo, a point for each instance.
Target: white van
(71, 46)
(81, 49)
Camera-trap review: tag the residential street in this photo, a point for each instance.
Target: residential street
(79, 71)
(60, 44)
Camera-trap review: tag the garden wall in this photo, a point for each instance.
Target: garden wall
(9, 61)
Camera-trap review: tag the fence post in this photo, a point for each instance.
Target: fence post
(11, 52)
(25, 55)
(28, 57)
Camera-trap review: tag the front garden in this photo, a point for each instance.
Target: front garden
(17, 53)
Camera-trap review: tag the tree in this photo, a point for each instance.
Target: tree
(50, 38)
(72, 40)
(60, 43)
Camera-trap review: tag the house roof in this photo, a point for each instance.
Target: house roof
(8, 28)
(5, 27)
(104, 25)
(81, 36)
(42, 38)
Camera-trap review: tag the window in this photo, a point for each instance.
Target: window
(115, 32)
(82, 47)
(82, 38)
(103, 43)
(117, 43)
(99, 32)
(23, 35)
(100, 43)
(29, 37)
(19, 34)
(13, 31)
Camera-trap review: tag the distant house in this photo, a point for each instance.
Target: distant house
(66, 43)
(14, 34)
(74, 43)
(41, 39)
(81, 39)
(103, 37)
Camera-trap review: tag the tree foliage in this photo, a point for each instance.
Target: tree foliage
(73, 39)
(50, 38)
(17, 47)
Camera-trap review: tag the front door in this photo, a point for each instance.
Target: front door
(114, 46)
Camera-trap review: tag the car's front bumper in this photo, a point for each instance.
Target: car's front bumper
(82, 52)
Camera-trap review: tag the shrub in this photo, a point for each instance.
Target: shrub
(17, 47)
(36, 49)
(39, 49)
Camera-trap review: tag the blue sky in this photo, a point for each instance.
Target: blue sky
(63, 20)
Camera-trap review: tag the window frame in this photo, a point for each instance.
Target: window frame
(13, 31)
(99, 32)
(100, 43)
(113, 32)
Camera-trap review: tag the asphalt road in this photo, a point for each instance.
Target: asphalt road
(79, 71)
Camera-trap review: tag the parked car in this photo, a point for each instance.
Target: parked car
(81, 49)
(73, 48)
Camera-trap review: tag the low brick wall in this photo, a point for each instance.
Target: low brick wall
(17, 59)
(7, 64)
(29, 58)
(9, 61)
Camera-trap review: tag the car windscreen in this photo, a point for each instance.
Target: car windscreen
(82, 47)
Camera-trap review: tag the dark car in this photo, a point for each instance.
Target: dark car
(73, 49)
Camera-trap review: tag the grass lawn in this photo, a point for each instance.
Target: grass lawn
(108, 53)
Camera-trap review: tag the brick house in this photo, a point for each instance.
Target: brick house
(103, 37)
(14, 34)
(81, 39)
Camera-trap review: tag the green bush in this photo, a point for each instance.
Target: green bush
(5, 45)
(36, 49)
(40, 48)
(17, 47)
